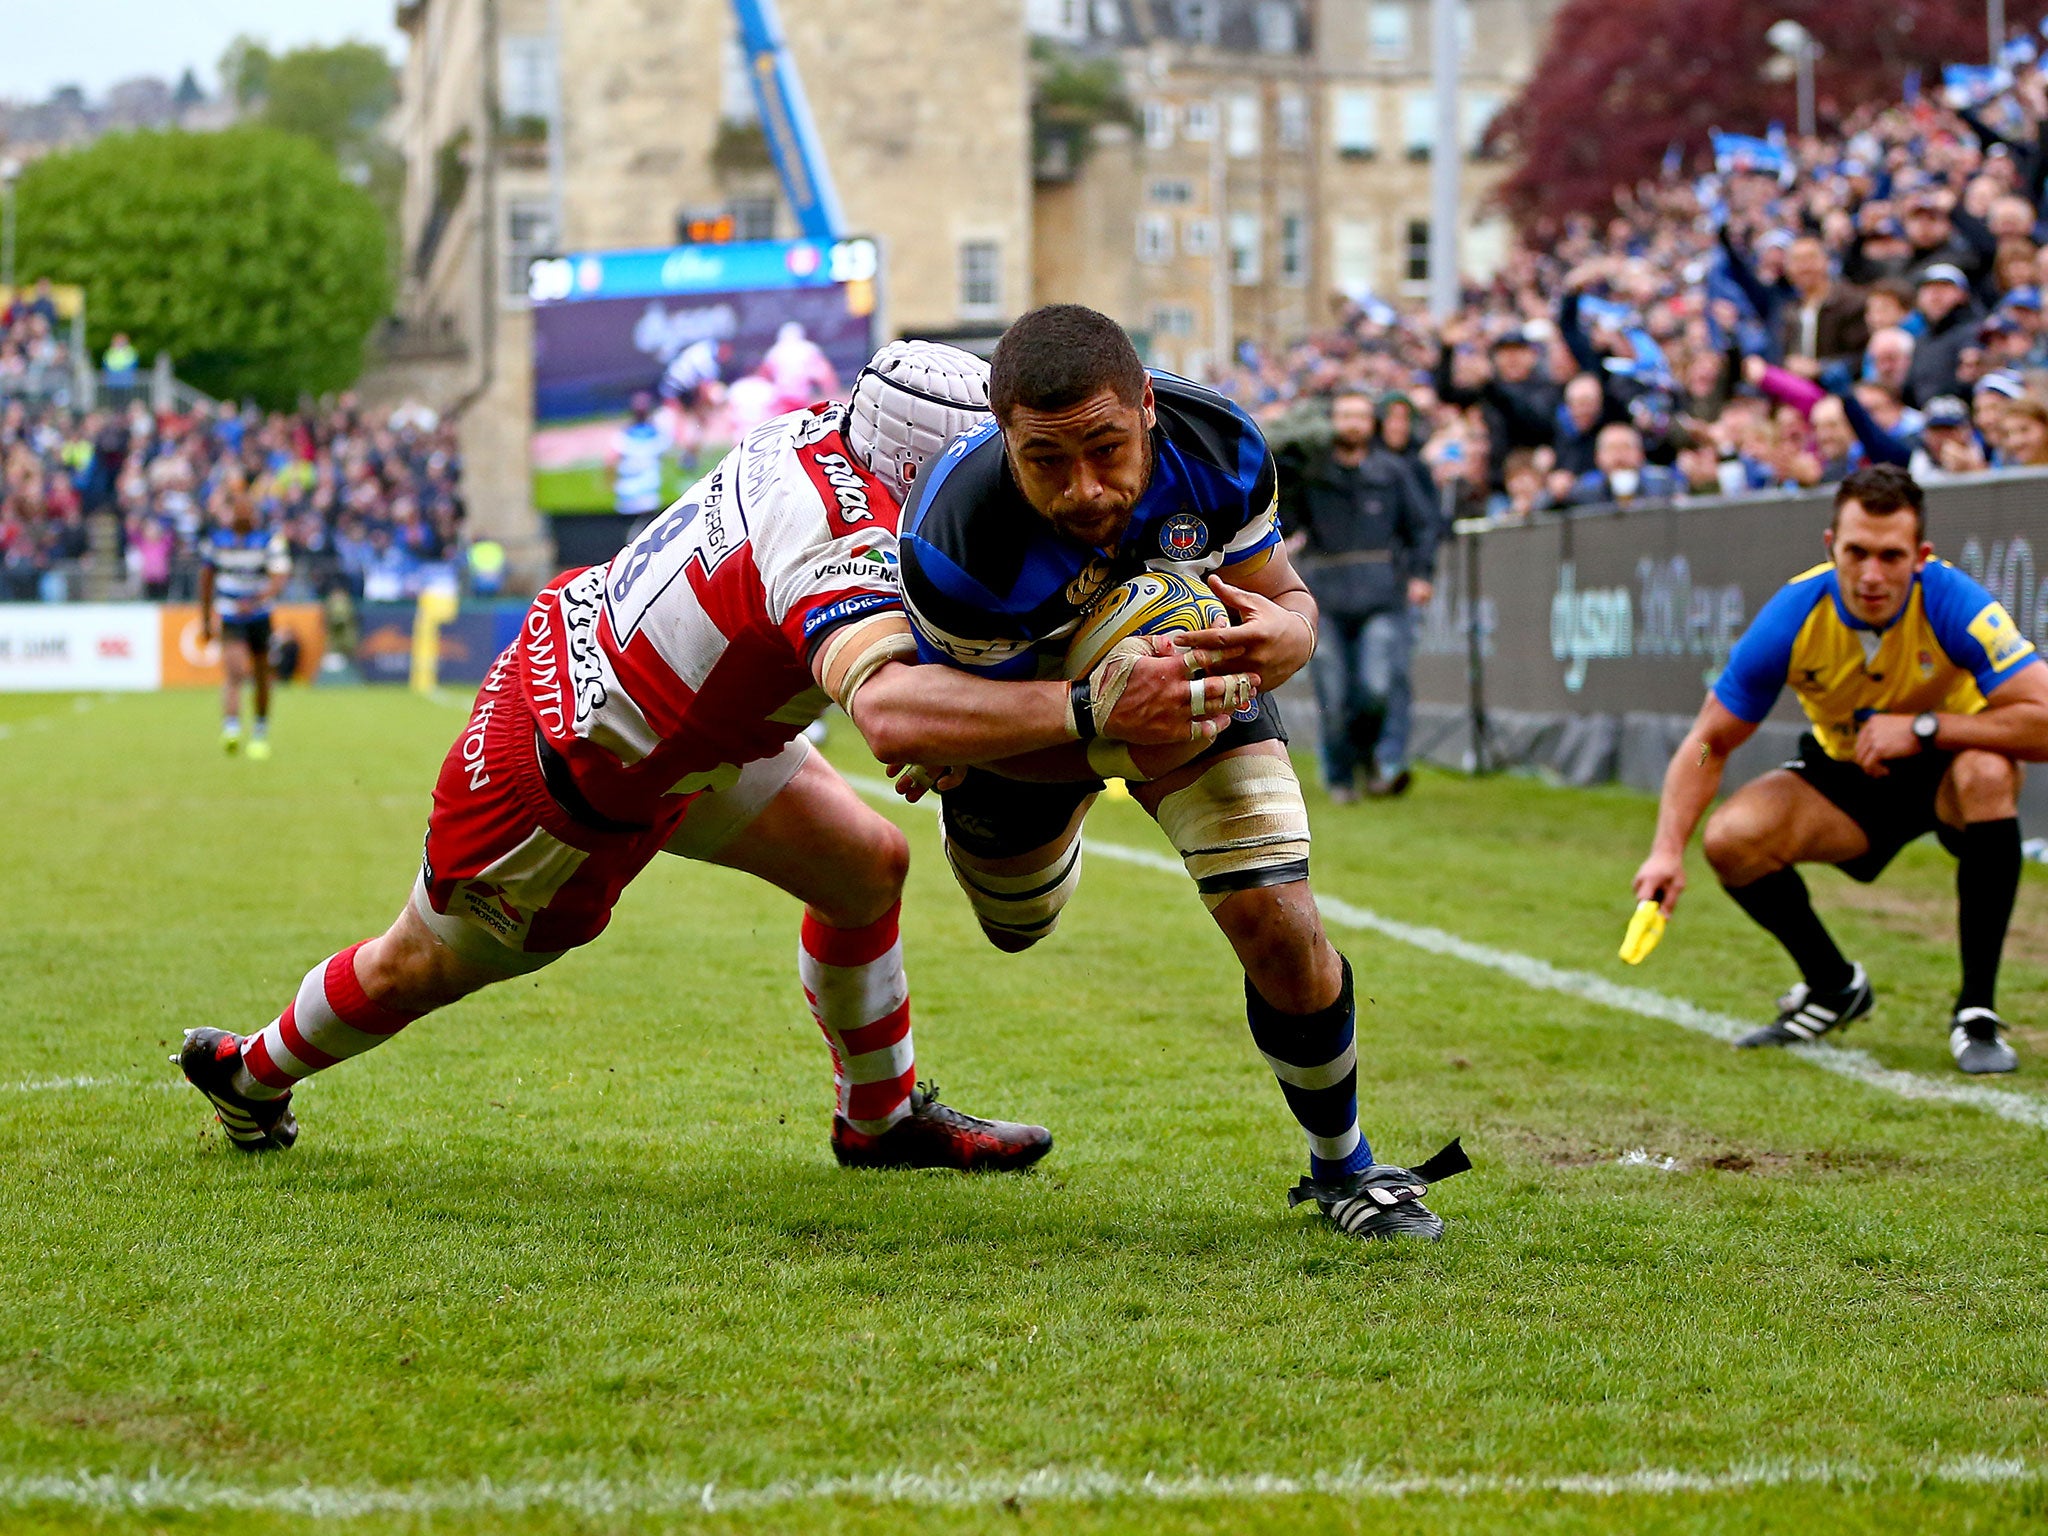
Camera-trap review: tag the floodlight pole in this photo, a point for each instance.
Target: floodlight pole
(1446, 161)
(1807, 50)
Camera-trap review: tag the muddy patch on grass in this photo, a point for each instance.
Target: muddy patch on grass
(1927, 911)
(1688, 1152)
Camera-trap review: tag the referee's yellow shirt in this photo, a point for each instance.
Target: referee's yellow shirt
(1950, 646)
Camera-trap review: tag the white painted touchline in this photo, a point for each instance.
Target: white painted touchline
(72, 1084)
(1861, 1066)
(1048, 1485)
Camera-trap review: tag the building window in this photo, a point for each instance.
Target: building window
(981, 279)
(1066, 19)
(753, 218)
(1158, 125)
(1198, 237)
(1173, 320)
(1291, 113)
(529, 235)
(1355, 250)
(1201, 121)
(1169, 191)
(1155, 238)
(1276, 26)
(526, 80)
(1200, 20)
(1293, 248)
(1477, 110)
(736, 102)
(1418, 124)
(1388, 31)
(1358, 123)
(1485, 248)
(1415, 260)
(1244, 248)
(1242, 132)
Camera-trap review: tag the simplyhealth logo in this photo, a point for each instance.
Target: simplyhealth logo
(1667, 615)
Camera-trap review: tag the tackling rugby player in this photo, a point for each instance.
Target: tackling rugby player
(656, 705)
(1924, 698)
(1092, 471)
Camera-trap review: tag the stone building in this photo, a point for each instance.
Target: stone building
(1279, 153)
(533, 126)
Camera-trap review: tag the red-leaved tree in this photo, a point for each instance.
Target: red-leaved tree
(1621, 80)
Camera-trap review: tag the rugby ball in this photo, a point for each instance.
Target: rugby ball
(1151, 603)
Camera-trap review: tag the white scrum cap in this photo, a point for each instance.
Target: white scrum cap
(912, 397)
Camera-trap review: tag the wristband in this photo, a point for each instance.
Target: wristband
(1081, 709)
(1314, 635)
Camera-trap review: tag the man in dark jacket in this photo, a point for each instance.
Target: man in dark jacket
(1366, 542)
(1952, 314)
(1519, 402)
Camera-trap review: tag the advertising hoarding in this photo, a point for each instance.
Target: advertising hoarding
(79, 647)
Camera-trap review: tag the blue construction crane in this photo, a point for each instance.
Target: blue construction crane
(786, 121)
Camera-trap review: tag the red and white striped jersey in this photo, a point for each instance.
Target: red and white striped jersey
(688, 656)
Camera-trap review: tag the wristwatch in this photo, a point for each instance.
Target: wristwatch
(1925, 727)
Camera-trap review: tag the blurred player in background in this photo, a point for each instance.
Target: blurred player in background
(1091, 471)
(654, 705)
(692, 387)
(798, 368)
(636, 459)
(1924, 698)
(244, 567)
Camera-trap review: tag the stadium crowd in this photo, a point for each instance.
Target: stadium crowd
(371, 506)
(1807, 307)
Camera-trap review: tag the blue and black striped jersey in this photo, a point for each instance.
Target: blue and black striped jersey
(991, 586)
(243, 564)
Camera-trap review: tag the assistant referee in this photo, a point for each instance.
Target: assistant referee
(1924, 698)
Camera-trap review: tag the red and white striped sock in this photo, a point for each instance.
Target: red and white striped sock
(330, 1020)
(853, 979)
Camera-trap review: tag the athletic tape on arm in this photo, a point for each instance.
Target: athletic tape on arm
(853, 653)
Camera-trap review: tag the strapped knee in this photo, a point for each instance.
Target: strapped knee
(1018, 910)
(1241, 825)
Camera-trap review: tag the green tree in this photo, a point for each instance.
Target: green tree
(1070, 96)
(337, 97)
(334, 96)
(245, 71)
(243, 254)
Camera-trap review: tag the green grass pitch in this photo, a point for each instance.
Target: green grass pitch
(574, 1257)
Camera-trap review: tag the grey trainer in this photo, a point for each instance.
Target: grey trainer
(1975, 1042)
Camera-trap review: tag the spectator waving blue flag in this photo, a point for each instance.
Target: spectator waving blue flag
(1737, 154)
(1971, 85)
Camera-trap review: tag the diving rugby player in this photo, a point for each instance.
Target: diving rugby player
(1924, 698)
(656, 704)
(1092, 471)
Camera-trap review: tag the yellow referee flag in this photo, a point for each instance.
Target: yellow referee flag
(1644, 930)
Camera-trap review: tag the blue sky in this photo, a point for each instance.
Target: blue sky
(94, 43)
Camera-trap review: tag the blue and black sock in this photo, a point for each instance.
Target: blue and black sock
(1316, 1060)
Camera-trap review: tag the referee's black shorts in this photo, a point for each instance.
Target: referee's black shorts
(1892, 811)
